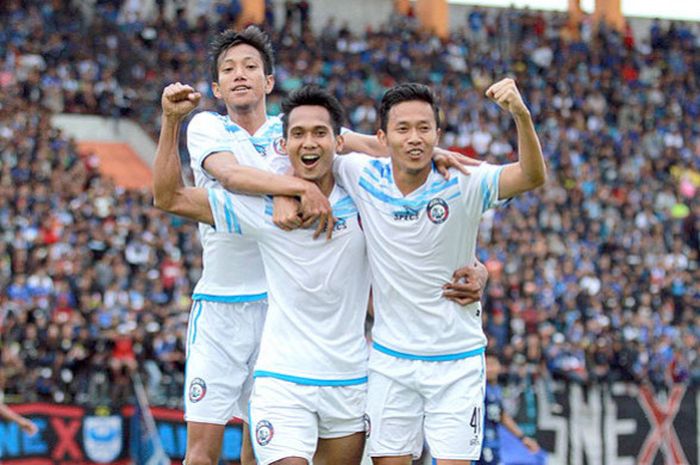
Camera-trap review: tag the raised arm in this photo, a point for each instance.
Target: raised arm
(530, 171)
(169, 192)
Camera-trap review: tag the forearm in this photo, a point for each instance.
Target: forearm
(167, 172)
(8, 414)
(169, 191)
(363, 143)
(510, 424)
(248, 180)
(530, 158)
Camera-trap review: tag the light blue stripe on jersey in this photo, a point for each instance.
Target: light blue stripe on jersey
(417, 204)
(268, 206)
(344, 208)
(213, 204)
(429, 358)
(371, 173)
(231, 214)
(230, 299)
(251, 431)
(487, 182)
(309, 381)
(383, 169)
(190, 327)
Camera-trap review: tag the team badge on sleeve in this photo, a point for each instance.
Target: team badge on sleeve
(438, 211)
(277, 145)
(264, 432)
(198, 389)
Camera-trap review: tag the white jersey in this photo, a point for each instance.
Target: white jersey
(314, 331)
(414, 244)
(233, 270)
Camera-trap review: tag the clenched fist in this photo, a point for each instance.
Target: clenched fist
(179, 100)
(506, 94)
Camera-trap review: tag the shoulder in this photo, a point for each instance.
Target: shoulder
(203, 120)
(361, 159)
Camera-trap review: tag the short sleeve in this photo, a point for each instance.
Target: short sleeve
(206, 134)
(235, 213)
(481, 187)
(348, 168)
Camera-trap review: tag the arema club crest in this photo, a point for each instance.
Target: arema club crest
(198, 389)
(438, 211)
(264, 432)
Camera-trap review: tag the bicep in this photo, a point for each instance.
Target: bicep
(193, 203)
(363, 143)
(512, 181)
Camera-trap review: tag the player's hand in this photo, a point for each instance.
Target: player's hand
(28, 426)
(507, 96)
(316, 207)
(179, 100)
(285, 212)
(467, 285)
(446, 159)
(531, 444)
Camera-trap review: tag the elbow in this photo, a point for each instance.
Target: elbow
(539, 180)
(162, 203)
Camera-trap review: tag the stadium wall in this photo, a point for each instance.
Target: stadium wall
(622, 424)
(98, 128)
(619, 425)
(373, 13)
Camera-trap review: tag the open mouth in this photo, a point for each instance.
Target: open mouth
(310, 159)
(415, 153)
(240, 89)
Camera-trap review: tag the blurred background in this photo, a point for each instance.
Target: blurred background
(593, 300)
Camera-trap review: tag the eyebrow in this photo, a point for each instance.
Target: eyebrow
(245, 58)
(318, 126)
(405, 121)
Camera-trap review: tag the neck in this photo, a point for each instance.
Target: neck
(325, 184)
(250, 118)
(408, 180)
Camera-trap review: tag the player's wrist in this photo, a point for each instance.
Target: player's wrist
(522, 114)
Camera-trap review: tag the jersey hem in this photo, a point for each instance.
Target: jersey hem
(230, 299)
(428, 358)
(309, 381)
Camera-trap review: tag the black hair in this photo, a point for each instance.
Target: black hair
(253, 36)
(406, 93)
(313, 95)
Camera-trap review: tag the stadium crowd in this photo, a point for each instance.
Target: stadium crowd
(593, 278)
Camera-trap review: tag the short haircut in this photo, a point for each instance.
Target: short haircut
(312, 95)
(407, 93)
(253, 36)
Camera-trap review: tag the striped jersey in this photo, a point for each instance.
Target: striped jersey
(233, 270)
(318, 291)
(414, 244)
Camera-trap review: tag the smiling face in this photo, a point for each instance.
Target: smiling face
(411, 134)
(242, 82)
(311, 143)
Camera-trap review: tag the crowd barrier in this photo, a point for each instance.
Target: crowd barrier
(622, 424)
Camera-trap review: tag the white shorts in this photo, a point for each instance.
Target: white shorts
(222, 346)
(286, 418)
(408, 400)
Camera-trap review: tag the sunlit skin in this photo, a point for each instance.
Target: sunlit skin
(411, 136)
(311, 145)
(242, 83)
